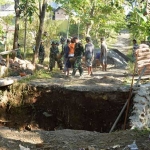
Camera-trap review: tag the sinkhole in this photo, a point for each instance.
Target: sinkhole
(55, 108)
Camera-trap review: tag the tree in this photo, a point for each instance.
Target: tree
(42, 10)
(138, 22)
(6, 22)
(27, 8)
(17, 11)
(96, 13)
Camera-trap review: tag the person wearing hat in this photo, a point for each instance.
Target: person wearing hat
(103, 56)
(53, 56)
(89, 54)
(41, 53)
(78, 54)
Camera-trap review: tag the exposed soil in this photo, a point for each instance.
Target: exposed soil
(65, 109)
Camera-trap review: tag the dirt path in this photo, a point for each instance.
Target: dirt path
(71, 140)
(123, 43)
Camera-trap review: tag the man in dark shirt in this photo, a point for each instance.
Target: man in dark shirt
(78, 53)
(41, 53)
(53, 56)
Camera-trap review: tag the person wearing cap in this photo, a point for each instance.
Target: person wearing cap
(53, 56)
(89, 54)
(41, 53)
(78, 54)
(103, 56)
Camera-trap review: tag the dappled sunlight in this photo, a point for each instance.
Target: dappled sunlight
(27, 137)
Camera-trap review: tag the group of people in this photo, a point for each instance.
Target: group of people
(71, 55)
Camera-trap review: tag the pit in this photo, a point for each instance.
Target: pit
(55, 107)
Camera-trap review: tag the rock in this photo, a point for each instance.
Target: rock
(3, 70)
(5, 82)
(30, 66)
(139, 99)
(47, 114)
(16, 64)
(28, 127)
(141, 109)
(65, 142)
(23, 148)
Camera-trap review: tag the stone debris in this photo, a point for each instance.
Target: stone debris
(10, 139)
(23, 148)
(6, 81)
(47, 114)
(133, 146)
(140, 117)
(16, 66)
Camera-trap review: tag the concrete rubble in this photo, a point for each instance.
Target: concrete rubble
(16, 66)
(140, 117)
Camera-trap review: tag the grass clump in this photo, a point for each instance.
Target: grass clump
(38, 74)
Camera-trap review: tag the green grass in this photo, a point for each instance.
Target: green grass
(38, 74)
(131, 63)
(130, 67)
(129, 54)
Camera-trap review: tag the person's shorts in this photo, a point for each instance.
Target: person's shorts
(103, 60)
(89, 62)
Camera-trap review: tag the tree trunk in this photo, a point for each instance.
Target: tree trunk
(25, 31)
(90, 24)
(25, 37)
(88, 29)
(15, 43)
(40, 30)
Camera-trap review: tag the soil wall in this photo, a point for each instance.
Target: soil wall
(57, 107)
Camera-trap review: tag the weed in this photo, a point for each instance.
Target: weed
(39, 74)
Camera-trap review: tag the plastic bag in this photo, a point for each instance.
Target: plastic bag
(133, 146)
(23, 148)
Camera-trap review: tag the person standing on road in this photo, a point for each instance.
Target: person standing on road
(66, 58)
(71, 51)
(63, 44)
(103, 55)
(53, 56)
(89, 55)
(41, 53)
(78, 54)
